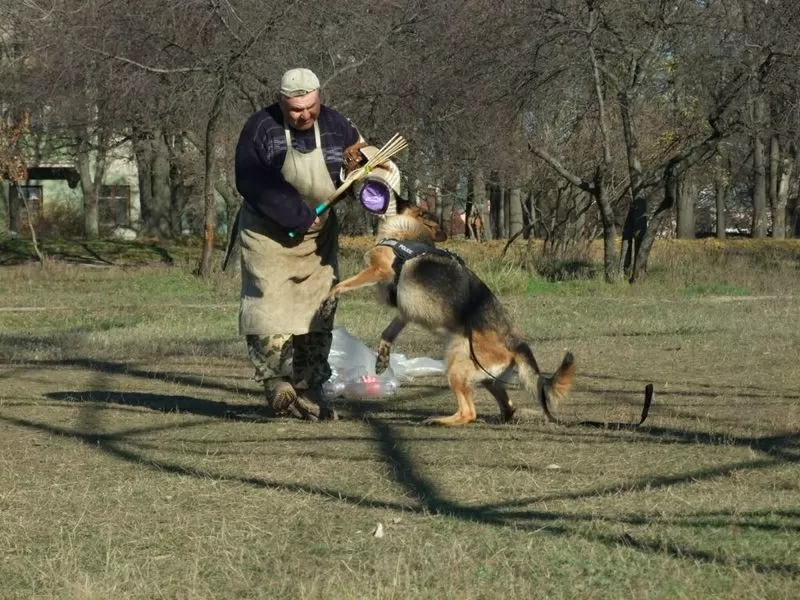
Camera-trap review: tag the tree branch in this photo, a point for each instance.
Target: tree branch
(392, 30)
(561, 169)
(599, 88)
(218, 12)
(148, 68)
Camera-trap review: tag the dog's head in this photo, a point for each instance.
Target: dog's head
(427, 219)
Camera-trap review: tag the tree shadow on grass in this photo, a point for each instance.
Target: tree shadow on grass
(121, 368)
(166, 403)
(431, 500)
(424, 496)
(100, 252)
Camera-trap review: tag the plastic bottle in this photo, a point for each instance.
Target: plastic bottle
(357, 383)
(369, 386)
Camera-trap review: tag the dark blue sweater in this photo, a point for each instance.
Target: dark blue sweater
(260, 153)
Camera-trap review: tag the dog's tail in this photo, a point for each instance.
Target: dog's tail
(547, 388)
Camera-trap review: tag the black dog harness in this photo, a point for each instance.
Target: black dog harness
(405, 251)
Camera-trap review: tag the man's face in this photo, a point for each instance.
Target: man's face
(301, 111)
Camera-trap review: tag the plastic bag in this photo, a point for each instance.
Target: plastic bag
(353, 369)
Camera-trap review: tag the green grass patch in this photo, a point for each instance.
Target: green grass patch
(716, 289)
(135, 461)
(535, 286)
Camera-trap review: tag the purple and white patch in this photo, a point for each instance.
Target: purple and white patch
(375, 197)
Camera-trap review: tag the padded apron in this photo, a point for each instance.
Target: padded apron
(284, 280)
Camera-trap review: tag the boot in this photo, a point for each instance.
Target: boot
(279, 393)
(283, 398)
(314, 400)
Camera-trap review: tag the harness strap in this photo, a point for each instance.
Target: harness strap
(405, 251)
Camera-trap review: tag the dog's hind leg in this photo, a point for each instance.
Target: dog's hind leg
(460, 375)
(388, 337)
(507, 408)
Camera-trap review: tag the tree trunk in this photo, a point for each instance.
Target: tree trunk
(515, 220)
(179, 195)
(498, 197)
(31, 227)
(469, 207)
(479, 204)
(209, 177)
(91, 180)
(772, 182)
(231, 197)
(781, 204)
(448, 202)
(633, 231)
(14, 205)
(687, 196)
(673, 169)
(529, 216)
(610, 263)
(162, 188)
(155, 194)
(645, 244)
(495, 208)
(759, 229)
(506, 212)
(438, 201)
(502, 207)
(795, 212)
(5, 207)
(721, 187)
(91, 211)
(143, 153)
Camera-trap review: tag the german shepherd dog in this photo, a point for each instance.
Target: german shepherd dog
(433, 288)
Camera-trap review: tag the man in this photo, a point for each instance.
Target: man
(288, 160)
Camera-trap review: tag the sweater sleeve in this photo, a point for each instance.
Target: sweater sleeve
(260, 182)
(270, 195)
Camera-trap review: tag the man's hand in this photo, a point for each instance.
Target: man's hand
(352, 157)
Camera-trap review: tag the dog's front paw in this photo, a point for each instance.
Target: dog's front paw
(328, 306)
(383, 357)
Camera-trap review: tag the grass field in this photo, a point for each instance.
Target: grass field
(135, 461)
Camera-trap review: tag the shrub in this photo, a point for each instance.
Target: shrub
(58, 221)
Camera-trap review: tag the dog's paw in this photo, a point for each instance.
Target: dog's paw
(328, 306)
(383, 357)
(456, 420)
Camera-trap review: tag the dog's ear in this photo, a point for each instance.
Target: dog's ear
(439, 234)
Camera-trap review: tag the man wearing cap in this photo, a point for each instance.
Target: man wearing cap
(288, 160)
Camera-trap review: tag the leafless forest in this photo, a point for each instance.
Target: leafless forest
(567, 120)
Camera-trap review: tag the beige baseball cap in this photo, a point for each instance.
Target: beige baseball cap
(298, 82)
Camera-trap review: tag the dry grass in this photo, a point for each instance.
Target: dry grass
(135, 463)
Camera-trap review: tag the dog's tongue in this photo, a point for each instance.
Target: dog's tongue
(374, 197)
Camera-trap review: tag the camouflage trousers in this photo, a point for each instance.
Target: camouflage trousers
(301, 359)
